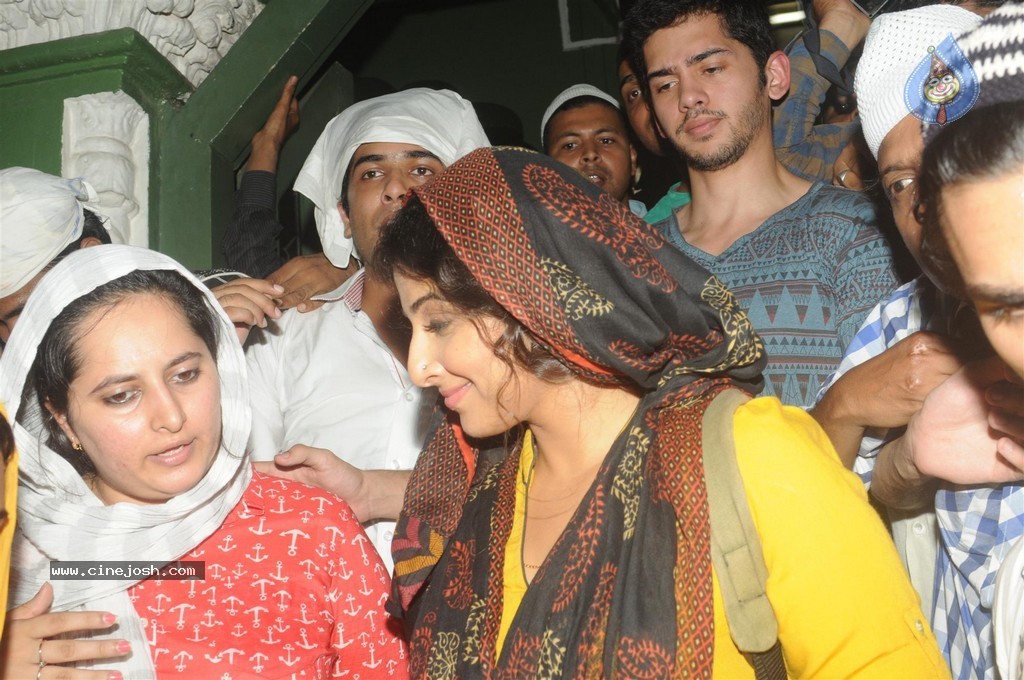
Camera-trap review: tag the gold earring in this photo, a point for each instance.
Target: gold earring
(76, 446)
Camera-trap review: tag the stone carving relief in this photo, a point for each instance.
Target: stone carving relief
(192, 34)
(106, 141)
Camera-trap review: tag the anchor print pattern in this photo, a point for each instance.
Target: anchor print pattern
(293, 589)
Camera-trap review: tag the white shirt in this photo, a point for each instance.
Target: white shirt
(1008, 614)
(326, 379)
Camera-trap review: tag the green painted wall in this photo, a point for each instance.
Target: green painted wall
(199, 137)
(506, 52)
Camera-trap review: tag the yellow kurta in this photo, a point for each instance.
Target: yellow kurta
(844, 607)
(10, 482)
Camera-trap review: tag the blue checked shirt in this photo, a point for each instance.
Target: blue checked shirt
(977, 525)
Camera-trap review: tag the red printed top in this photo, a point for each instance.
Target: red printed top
(293, 589)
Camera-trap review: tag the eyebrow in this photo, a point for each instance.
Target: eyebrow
(404, 155)
(902, 164)
(626, 78)
(5, 319)
(600, 131)
(423, 300)
(991, 294)
(690, 61)
(127, 377)
(710, 52)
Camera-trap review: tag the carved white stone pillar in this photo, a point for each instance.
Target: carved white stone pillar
(192, 34)
(106, 141)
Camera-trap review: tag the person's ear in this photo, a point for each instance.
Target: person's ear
(345, 221)
(89, 242)
(62, 421)
(776, 73)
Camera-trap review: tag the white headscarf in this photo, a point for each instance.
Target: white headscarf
(440, 121)
(39, 216)
(59, 517)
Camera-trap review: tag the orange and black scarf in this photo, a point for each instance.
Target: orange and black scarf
(626, 591)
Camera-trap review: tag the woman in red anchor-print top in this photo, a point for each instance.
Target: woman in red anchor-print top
(291, 579)
(134, 432)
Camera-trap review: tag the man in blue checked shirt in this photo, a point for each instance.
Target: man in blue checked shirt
(909, 409)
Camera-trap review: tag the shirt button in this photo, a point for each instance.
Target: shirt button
(918, 528)
(408, 396)
(388, 535)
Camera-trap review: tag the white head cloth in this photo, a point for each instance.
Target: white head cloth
(39, 216)
(896, 43)
(440, 121)
(59, 517)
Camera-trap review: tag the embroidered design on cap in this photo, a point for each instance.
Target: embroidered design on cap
(943, 86)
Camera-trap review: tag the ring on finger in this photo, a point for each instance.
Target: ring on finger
(42, 664)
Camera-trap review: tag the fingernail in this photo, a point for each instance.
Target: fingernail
(124, 647)
(284, 455)
(278, 288)
(114, 675)
(109, 619)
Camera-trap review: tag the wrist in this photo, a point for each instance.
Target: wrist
(381, 494)
(849, 27)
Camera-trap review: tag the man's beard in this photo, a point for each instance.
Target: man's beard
(750, 120)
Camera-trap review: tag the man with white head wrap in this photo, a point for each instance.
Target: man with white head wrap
(42, 219)
(911, 418)
(334, 378)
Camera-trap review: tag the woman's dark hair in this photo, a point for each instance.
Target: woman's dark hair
(411, 245)
(59, 360)
(987, 143)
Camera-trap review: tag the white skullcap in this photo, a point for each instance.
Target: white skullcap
(39, 216)
(895, 45)
(440, 121)
(578, 90)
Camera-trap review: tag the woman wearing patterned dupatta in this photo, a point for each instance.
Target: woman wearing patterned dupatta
(566, 330)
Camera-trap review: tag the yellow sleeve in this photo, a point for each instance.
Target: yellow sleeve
(10, 504)
(843, 601)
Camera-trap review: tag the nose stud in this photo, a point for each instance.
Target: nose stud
(423, 366)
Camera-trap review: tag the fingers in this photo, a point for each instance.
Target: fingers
(286, 112)
(58, 623)
(1007, 423)
(37, 606)
(248, 302)
(303, 455)
(68, 651)
(1012, 454)
(295, 297)
(306, 276)
(309, 305)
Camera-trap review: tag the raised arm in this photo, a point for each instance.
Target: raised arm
(250, 241)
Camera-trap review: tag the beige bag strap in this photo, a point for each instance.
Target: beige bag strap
(735, 545)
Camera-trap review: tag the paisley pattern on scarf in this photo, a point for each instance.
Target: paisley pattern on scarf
(617, 595)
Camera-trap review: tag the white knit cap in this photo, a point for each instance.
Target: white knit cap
(895, 45)
(578, 90)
